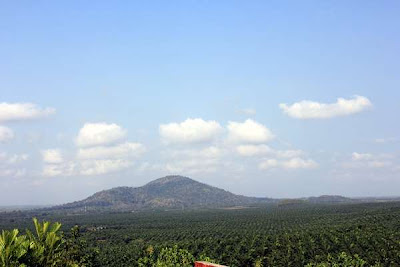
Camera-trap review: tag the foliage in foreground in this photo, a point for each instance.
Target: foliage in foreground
(45, 247)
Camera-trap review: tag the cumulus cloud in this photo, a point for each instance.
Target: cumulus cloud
(125, 150)
(10, 164)
(211, 152)
(22, 111)
(362, 160)
(12, 172)
(6, 134)
(104, 166)
(6, 158)
(191, 166)
(315, 110)
(293, 163)
(53, 156)
(101, 133)
(288, 153)
(262, 150)
(299, 163)
(253, 150)
(100, 151)
(193, 160)
(249, 131)
(60, 169)
(53, 170)
(268, 164)
(246, 139)
(89, 167)
(190, 131)
(361, 156)
(55, 164)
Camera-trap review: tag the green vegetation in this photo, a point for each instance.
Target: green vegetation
(45, 247)
(169, 257)
(272, 235)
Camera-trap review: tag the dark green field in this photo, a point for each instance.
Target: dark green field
(290, 235)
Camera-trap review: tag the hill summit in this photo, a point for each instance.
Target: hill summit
(169, 192)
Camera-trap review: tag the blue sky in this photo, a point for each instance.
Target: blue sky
(214, 73)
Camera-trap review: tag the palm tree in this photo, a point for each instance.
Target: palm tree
(46, 245)
(12, 248)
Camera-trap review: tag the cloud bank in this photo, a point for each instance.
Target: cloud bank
(52, 156)
(22, 111)
(190, 131)
(315, 110)
(249, 131)
(125, 150)
(101, 133)
(293, 163)
(101, 149)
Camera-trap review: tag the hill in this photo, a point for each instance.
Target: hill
(178, 192)
(170, 192)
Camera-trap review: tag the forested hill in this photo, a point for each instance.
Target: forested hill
(170, 192)
(178, 192)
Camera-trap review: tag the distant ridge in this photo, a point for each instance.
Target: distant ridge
(179, 192)
(329, 199)
(169, 192)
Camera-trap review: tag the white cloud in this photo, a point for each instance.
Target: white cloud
(86, 167)
(100, 151)
(59, 169)
(125, 150)
(194, 160)
(191, 166)
(52, 170)
(253, 150)
(12, 172)
(199, 154)
(247, 139)
(190, 131)
(315, 110)
(361, 156)
(268, 164)
(211, 152)
(262, 150)
(289, 153)
(22, 111)
(53, 156)
(299, 163)
(363, 160)
(248, 132)
(5, 158)
(94, 134)
(98, 167)
(6, 134)
(9, 164)
(89, 167)
(294, 163)
(17, 158)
